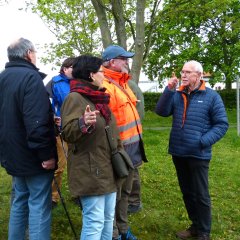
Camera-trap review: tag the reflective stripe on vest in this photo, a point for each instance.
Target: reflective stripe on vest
(131, 140)
(129, 125)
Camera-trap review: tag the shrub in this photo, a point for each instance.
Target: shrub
(228, 97)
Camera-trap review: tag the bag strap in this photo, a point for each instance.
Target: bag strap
(110, 138)
(119, 86)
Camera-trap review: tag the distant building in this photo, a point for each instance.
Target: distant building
(150, 86)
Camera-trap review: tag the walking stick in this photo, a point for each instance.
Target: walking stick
(65, 208)
(59, 192)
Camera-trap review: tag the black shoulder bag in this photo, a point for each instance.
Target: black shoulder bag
(121, 162)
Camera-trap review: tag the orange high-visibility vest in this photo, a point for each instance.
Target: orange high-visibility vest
(123, 106)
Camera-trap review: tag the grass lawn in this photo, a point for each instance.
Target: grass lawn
(163, 211)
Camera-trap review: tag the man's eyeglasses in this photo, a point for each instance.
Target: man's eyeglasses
(122, 58)
(187, 73)
(32, 50)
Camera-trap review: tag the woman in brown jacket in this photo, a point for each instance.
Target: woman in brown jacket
(85, 114)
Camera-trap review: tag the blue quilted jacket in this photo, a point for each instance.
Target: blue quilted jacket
(60, 89)
(199, 120)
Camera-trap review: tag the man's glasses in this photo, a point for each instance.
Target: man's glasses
(122, 58)
(32, 50)
(187, 73)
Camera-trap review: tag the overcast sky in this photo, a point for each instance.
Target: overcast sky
(16, 23)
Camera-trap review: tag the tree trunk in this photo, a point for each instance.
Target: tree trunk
(139, 42)
(117, 11)
(228, 81)
(103, 23)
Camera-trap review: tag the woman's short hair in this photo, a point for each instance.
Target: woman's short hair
(84, 65)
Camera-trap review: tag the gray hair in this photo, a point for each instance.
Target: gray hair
(197, 65)
(19, 49)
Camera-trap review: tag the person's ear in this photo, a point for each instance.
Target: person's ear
(28, 56)
(111, 61)
(92, 76)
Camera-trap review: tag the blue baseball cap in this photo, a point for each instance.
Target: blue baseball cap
(114, 51)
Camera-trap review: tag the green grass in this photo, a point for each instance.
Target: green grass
(163, 211)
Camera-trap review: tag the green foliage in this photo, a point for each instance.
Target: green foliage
(163, 210)
(150, 100)
(229, 98)
(74, 25)
(206, 31)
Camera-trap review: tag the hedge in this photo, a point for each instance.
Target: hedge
(228, 97)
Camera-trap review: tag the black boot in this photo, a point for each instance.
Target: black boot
(203, 236)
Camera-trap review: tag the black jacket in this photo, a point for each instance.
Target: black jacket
(26, 120)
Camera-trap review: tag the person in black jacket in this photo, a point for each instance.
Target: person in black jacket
(27, 142)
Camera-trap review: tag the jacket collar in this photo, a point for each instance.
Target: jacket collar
(20, 62)
(119, 77)
(61, 77)
(202, 87)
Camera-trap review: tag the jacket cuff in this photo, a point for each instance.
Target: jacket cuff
(85, 128)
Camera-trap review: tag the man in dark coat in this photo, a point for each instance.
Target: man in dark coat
(199, 121)
(27, 142)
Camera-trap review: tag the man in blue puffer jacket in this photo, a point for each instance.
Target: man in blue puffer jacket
(199, 121)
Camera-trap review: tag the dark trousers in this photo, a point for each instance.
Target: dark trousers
(124, 187)
(135, 195)
(192, 176)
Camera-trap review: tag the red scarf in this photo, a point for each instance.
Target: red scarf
(95, 95)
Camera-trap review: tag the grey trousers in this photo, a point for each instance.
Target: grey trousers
(135, 195)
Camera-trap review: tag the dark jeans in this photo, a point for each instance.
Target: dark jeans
(193, 181)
